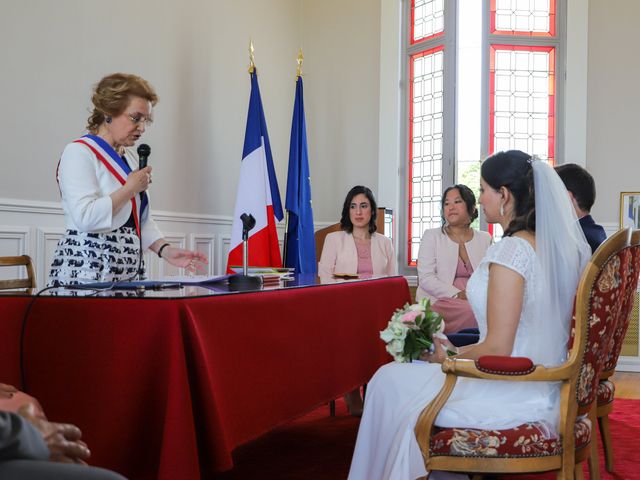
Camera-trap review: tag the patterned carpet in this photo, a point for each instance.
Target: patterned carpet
(319, 447)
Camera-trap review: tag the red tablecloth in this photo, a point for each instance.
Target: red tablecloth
(167, 388)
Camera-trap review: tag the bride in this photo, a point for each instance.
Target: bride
(521, 294)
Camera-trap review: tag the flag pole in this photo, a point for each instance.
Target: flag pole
(299, 60)
(286, 238)
(252, 64)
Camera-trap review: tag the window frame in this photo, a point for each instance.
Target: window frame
(449, 40)
(558, 42)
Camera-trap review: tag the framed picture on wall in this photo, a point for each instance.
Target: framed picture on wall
(630, 209)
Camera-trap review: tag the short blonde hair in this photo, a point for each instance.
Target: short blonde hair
(112, 95)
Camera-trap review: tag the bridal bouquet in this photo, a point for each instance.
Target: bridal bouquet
(410, 331)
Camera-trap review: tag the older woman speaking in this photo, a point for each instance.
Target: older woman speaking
(104, 197)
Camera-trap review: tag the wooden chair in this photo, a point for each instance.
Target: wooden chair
(526, 448)
(606, 388)
(321, 234)
(14, 284)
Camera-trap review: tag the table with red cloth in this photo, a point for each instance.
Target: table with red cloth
(166, 388)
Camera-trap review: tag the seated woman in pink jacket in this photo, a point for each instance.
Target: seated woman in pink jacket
(448, 256)
(357, 249)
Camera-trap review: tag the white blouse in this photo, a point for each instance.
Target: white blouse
(86, 186)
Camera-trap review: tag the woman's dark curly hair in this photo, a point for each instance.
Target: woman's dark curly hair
(345, 220)
(512, 169)
(467, 196)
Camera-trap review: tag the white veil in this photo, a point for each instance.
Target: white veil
(562, 253)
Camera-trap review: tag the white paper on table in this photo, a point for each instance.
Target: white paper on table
(191, 279)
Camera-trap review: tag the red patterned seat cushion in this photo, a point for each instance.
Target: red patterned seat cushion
(606, 391)
(526, 440)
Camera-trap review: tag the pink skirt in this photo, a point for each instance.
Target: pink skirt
(457, 314)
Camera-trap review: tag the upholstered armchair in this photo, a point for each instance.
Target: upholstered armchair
(606, 388)
(530, 447)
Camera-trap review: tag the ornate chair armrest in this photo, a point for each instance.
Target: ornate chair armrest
(501, 365)
(505, 368)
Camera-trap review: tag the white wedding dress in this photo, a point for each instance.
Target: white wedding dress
(386, 447)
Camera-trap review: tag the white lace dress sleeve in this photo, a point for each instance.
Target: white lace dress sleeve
(518, 255)
(512, 252)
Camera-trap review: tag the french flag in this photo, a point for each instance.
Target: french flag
(258, 192)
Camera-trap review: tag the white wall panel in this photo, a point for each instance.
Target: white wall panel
(205, 244)
(45, 249)
(224, 244)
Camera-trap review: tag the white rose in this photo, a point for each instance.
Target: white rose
(395, 349)
(416, 307)
(387, 335)
(399, 330)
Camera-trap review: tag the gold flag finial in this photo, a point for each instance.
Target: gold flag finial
(299, 60)
(252, 64)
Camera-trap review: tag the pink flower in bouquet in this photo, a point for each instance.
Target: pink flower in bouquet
(410, 317)
(411, 330)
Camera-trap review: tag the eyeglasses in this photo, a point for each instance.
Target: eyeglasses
(138, 119)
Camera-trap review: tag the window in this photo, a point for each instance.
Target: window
(481, 77)
(522, 80)
(427, 20)
(430, 67)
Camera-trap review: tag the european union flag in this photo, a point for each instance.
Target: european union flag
(300, 247)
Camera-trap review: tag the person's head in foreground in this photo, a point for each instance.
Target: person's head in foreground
(507, 192)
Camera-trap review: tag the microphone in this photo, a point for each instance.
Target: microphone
(245, 282)
(248, 222)
(144, 151)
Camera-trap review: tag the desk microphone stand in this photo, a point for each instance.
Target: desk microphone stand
(245, 281)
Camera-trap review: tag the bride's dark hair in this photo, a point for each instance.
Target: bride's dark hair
(512, 169)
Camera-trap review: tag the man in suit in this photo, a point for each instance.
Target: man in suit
(32, 448)
(582, 191)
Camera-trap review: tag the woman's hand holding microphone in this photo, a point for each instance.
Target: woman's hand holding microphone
(138, 180)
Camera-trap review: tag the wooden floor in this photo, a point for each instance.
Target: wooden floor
(627, 384)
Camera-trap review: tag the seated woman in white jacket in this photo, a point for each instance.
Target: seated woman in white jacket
(104, 198)
(357, 249)
(448, 256)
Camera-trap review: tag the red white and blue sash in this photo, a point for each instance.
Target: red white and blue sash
(119, 168)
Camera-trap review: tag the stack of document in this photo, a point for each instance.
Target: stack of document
(270, 275)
